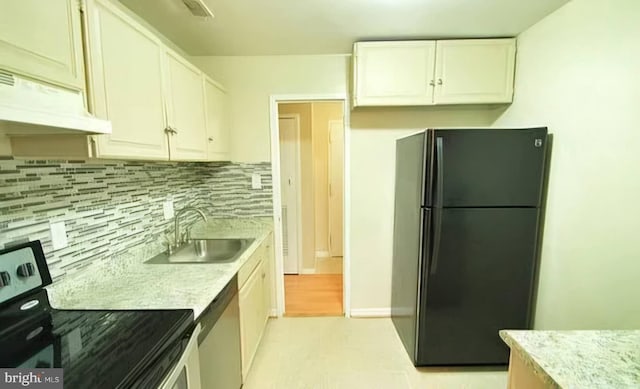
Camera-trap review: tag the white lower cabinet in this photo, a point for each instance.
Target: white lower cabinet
(255, 303)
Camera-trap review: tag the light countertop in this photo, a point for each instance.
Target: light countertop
(580, 359)
(129, 283)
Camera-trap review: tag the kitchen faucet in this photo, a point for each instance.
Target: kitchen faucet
(178, 241)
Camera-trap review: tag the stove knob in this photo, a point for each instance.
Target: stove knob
(5, 279)
(26, 270)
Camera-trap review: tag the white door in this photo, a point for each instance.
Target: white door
(125, 62)
(186, 110)
(475, 71)
(289, 177)
(394, 73)
(336, 174)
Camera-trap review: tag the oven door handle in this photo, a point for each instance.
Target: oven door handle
(189, 360)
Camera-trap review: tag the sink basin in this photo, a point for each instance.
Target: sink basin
(205, 251)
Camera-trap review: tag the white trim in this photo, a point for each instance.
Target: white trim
(296, 117)
(371, 312)
(273, 312)
(309, 270)
(277, 206)
(346, 228)
(322, 254)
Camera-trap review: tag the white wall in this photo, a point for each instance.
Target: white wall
(579, 73)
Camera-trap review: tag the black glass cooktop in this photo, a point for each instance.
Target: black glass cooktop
(96, 349)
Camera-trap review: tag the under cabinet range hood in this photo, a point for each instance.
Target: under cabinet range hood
(29, 108)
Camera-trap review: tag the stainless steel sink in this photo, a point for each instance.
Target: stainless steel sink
(204, 251)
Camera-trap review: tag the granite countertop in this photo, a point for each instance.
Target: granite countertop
(580, 359)
(131, 284)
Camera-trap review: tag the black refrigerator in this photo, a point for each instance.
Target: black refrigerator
(466, 229)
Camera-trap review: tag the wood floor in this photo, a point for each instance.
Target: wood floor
(313, 295)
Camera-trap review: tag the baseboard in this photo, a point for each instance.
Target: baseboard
(310, 270)
(371, 312)
(322, 254)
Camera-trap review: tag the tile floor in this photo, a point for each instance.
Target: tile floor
(340, 353)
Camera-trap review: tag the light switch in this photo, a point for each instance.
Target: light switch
(167, 208)
(256, 181)
(58, 235)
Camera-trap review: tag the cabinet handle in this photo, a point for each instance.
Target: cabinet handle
(210, 139)
(439, 81)
(432, 83)
(167, 130)
(174, 131)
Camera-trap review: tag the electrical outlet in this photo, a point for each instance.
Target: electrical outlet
(256, 181)
(58, 235)
(167, 208)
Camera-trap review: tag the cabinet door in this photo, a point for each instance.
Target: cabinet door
(475, 71)
(43, 40)
(126, 87)
(394, 73)
(186, 111)
(217, 110)
(251, 300)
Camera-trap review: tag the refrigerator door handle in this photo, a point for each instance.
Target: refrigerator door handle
(440, 172)
(437, 232)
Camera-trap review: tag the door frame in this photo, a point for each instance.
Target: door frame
(274, 100)
(296, 118)
(330, 171)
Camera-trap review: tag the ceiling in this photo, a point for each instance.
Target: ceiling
(276, 27)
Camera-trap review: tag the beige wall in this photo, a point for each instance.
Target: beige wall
(373, 135)
(578, 73)
(306, 176)
(251, 80)
(323, 112)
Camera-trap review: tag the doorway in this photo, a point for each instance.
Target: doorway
(311, 154)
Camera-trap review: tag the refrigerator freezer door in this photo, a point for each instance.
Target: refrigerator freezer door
(482, 283)
(489, 167)
(407, 243)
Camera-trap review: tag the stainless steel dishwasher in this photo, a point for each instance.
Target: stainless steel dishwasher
(219, 341)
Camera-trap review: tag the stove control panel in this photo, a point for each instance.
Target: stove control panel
(18, 273)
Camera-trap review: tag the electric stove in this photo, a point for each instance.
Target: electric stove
(95, 348)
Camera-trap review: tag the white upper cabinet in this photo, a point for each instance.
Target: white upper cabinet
(394, 73)
(217, 110)
(126, 84)
(186, 110)
(43, 40)
(475, 71)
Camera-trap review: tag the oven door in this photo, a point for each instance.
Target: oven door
(186, 373)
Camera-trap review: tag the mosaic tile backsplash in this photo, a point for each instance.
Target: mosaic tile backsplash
(111, 207)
